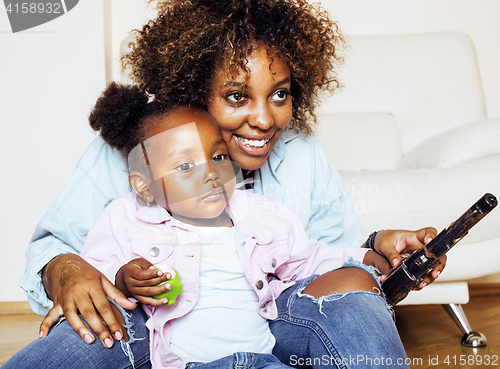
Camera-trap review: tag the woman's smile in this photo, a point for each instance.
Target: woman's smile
(254, 146)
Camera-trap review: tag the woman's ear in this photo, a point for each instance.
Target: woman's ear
(138, 183)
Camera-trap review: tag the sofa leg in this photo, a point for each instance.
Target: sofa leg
(470, 338)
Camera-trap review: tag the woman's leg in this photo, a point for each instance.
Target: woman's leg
(64, 348)
(337, 320)
(242, 360)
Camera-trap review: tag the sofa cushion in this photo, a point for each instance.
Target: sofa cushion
(354, 141)
(429, 81)
(454, 146)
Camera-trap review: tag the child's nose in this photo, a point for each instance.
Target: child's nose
(211, 173)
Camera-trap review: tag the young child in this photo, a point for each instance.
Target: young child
(234, 251)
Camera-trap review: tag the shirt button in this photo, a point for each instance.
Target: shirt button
(273, 263)
(259, 284)
(155, 251)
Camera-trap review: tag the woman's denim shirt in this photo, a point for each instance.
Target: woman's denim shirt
(296, 173)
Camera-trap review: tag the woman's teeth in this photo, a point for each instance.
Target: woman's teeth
(253, 143)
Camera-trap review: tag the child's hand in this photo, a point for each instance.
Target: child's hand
(379, 262)
(139, 279)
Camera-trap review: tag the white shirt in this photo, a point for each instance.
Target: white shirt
(225, 317)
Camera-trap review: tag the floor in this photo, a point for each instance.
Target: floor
(431, 338)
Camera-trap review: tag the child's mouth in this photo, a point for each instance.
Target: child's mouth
(214, 193)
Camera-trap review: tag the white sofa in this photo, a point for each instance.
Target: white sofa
(410, 137)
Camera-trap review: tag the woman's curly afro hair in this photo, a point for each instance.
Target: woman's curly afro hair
(175, 56)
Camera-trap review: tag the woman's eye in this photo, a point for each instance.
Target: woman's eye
(185, 166)
(235, 97)
(219, 158)
(280, 95)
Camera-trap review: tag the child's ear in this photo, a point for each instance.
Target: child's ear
(138, 183)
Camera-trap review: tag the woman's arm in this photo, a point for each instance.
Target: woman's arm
(100, 176)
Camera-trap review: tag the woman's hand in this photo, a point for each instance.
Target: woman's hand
(76, 286)
(377, 261)
(397, 244)
(139, 279)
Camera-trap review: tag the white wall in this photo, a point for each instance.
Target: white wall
(51, 75)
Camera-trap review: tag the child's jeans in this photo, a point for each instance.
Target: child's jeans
(242, 360)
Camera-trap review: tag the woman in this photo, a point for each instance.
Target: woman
(259, 67)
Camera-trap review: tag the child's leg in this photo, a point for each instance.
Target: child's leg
(64, 348)
(242, 360)
(351, 328)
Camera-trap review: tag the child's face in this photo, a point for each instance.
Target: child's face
(252, 112)
(193, 177)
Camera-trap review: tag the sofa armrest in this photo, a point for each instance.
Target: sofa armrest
(454, 146)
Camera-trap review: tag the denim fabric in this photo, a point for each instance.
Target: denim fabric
(64, 348)
(242, 360)
(343, 330)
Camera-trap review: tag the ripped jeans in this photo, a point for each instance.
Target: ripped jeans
(344, 330)
(64, 348)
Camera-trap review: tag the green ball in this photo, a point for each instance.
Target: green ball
(176, 289)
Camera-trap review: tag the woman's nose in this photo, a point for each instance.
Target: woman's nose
(261, 117)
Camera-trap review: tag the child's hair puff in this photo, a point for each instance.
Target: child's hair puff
(121, 115)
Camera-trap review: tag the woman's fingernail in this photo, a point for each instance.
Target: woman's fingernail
(423, 284)
(40, 335)
(88, 338)
(394, 262)
(160, 273)
(438, 273)
(108, 342)
(169, 276)
(118, 335)
(165, 301)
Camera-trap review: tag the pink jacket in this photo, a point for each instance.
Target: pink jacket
(271, 244)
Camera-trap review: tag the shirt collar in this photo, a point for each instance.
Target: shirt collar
(154, 214)
(279, 149)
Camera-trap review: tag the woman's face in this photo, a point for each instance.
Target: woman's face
(252, 111)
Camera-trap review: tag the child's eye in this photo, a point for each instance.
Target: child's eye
(219, 158)
(280, 95)
(185, 166)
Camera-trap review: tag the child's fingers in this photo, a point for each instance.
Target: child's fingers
(145, 271)
(148, 291)
(152, 302)
(147, 282)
